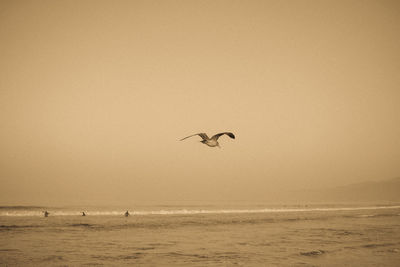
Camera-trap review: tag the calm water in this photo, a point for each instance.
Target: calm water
(202, 235)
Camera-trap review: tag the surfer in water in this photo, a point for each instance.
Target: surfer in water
(83, 213)
(126, 214)
(46, 214)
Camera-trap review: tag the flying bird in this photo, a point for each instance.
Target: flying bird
(213, 141)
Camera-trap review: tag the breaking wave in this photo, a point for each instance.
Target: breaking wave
(35, 211)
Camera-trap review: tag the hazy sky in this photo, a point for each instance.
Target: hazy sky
(94, 96)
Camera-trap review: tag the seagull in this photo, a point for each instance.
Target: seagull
(213, 141)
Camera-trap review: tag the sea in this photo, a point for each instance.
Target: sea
(202, 234)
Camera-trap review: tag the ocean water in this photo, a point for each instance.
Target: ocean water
(202, 235)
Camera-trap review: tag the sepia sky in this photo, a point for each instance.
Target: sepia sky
(94, 96)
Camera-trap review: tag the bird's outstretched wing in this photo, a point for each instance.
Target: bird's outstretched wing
(231, 135)
(202, 135)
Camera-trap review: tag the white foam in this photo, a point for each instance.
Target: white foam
(188, 211)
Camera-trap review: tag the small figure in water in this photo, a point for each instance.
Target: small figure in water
(126, 214)
(46, 214)
(83, 213)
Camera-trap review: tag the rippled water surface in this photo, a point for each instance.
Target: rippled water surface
(202, 236)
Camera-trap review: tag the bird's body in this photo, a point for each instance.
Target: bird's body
(213, 141)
